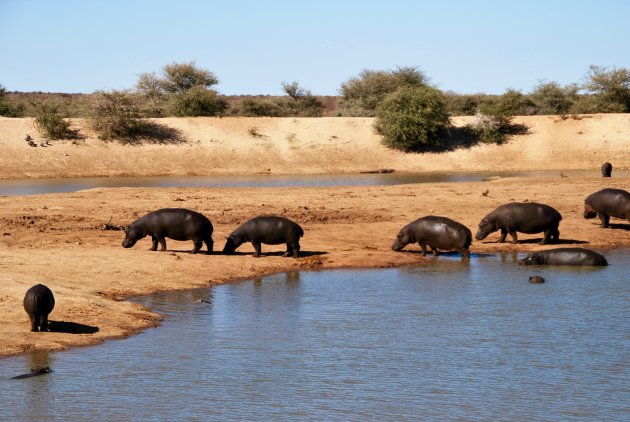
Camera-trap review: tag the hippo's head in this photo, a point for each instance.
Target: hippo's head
(132, 235)
(402, 240)
(233, 242)
(532, 259)
(589, 212)
(485, 228)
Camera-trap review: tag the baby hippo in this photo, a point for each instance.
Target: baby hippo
(437, 233)
(269, 230)
(38, 303)
(174, 223)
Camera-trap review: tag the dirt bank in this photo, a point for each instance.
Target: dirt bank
(58, 240)
(213, 146)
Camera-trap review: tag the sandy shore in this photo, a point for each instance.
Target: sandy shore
(58, 240)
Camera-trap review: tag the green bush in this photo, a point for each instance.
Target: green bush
(50, 123)
(411, 118)
(551, 98)
(197, 101)
(360, 96)
(250, 107)
(115, 115)
(608, 90)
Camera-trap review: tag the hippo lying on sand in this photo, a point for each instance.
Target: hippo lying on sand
(525, 217)
(607, 203)
(436, 232)
(270, 230)
(174, 223)
(38, 303)
(565, 256)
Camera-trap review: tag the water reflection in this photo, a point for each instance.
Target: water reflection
(467, 340)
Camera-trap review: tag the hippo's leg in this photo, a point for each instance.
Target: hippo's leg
(434, 251)
(209, 243)
(465, 253)
(34, 321)
(198, 244)
(154, 244)
(43, 322)
(503, 235)
(605, 219)
(296, 250)
(256, 249)
(162, 244)
(546, 237)
(514, 236)
(424, 248)
(289, 251)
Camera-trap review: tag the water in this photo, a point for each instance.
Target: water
(447, 341)
(40, 186)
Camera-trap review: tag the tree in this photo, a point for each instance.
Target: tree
(303, 104)
(360, 96)
(116, 116)
(180, 77)
(551, 98)
(197, 101)
(610, 89)
(412, 117)
(49, 121)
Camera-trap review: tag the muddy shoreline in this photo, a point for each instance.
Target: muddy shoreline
(59, 240)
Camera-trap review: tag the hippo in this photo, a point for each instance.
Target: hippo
(437, 233)
(606, 169)
(38, 303)
(270, 230)
(565, 256)
(174, 223)
(607, 203)
(524, 217)
(536, 279)
(33, 373)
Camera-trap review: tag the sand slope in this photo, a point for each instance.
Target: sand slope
(310, 145)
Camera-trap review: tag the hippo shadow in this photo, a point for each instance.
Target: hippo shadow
(303, 254)
(558, 242)
(618, 226)
(71, 327)
(444, 253)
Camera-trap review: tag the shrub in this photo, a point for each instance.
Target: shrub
(411, 118)
(181, 77)
(301, 104)
(250, 107)
(197, 101)
(50, 123)
(551, 98)
(361, 95)
(115, 115)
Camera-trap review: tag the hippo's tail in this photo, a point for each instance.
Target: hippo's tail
(300, 231)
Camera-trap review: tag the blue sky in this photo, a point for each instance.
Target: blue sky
(253, 46)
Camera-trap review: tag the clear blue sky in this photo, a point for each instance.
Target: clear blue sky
(253, 46)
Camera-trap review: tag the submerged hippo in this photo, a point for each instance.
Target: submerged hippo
(607, 203)
(38, 303)
(565, 256)
(436, 232)
(606, 169)
(524, 217)
(174, 223)
(270, 230)
(536, 279)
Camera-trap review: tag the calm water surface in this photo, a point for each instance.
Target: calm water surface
(40, 186)
(446, 341)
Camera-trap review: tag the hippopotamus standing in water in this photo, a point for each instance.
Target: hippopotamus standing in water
(606, 169)
(174, 223)
(38, 303)
(565, 256)
(269, 230)
(606, 203)
(524, 217)
(437, 233)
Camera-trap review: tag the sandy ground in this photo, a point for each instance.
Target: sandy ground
(59, 239)
(212, 146)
